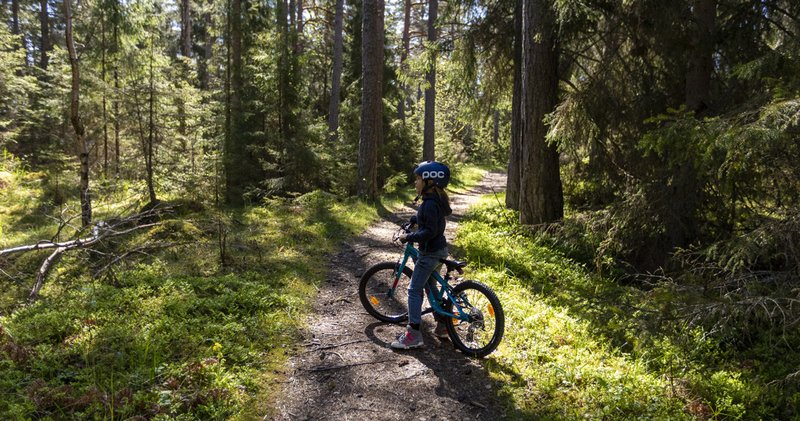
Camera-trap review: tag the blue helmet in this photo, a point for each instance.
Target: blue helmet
(436, 171)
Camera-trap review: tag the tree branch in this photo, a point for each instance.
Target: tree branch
(100, 231)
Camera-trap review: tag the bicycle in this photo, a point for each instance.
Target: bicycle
(476, 319)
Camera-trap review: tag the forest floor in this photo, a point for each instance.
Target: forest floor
(345, 369)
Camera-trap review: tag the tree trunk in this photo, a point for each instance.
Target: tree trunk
(116, 95)
(683, 181)
(371, 136)
(292, 146)
(15, 17)
(234, 173)
(15, 27)
(701, 65)
(75, 117)
(186, 28)
(183, 68)
(496, 127)
(541, 197)
(300, 27)
(336, 75)
(429, 134)
(515, 154)
(401, 106)
(103, 78)
(208, 42)
(151, 128)
(45, 29)
(116, 122)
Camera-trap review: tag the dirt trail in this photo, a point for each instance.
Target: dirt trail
(346, 369)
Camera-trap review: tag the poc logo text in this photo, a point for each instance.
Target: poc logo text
(432, 174)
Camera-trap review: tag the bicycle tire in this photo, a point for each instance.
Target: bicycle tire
(373, 292)
(485, 310)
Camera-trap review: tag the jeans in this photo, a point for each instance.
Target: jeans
(423, 268)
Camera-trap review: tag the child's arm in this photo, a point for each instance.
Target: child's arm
(428, 223)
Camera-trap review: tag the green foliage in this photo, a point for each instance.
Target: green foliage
(182, 340)
(580, 344)
(198, 333)
(212, 305)
(17, 90)
(467, 108)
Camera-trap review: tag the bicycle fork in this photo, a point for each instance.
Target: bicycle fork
(398, 272)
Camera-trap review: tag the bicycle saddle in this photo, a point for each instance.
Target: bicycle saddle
(454, 265)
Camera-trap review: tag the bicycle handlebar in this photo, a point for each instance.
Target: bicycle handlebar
(405, 228)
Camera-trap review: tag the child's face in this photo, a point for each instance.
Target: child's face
(418, 184)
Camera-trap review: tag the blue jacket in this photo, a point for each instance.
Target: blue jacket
(431, 224)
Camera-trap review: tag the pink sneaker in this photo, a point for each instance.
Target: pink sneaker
(411, 338)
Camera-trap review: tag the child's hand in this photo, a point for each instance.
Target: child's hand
(403, 238)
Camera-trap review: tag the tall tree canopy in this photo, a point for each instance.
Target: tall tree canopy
(614, 108)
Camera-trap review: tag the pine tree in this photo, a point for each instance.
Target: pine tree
(541, 197)
(371, 98)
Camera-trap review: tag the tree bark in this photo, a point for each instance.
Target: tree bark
(44, 21)
(429, 134)
(15, 17)
(496, 127)
(116, 95)
(701, 50)
(186, 28)
(371, 135)
(234, 173)
(683, 181)
(75, 118)
(336, 74)
(292, 146)
(103, 78)
(541, 197)
(401, 106)
(151, 128)
(515, 153)
(300, 27)
(15, 27)
(204, 73)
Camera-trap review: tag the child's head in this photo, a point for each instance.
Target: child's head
(431, 174)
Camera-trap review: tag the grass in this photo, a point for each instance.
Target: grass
(191, 331)
(579, 345)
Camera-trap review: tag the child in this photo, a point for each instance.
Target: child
(431, 179)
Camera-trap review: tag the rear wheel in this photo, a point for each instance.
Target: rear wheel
(482, 333)
(381, 297)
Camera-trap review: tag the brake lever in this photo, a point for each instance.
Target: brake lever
(405, 228)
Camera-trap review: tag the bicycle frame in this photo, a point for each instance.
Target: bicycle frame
(434, 298)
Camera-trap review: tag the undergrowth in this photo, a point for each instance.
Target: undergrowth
(198, 324)
(580, 345)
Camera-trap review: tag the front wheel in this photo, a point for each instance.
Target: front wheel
(382, 297)
(482, 333)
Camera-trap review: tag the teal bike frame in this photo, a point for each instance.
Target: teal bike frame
(437, 297)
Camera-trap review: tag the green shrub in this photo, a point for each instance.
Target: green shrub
(579, 344)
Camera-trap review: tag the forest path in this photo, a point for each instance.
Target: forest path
(346, 369)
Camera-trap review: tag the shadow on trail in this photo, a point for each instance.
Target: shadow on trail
(349, 371)
(457, 377)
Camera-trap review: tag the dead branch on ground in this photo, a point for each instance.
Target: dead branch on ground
(100, 231)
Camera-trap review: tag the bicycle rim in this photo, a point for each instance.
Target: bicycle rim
(378, 297)
(483, 332)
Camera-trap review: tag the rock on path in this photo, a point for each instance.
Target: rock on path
(346, 370)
